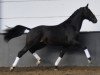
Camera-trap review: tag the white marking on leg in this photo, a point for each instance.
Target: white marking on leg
(15, 63)
(37, 57)
(57, 61)
(87, 53)
(26, 31)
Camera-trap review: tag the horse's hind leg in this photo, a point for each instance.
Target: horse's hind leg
(28, 45)
(35, 48)
(20, 54)
(32, 38)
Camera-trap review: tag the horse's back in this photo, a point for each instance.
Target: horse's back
(50, 34)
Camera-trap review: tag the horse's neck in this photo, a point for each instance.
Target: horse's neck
(75, 21)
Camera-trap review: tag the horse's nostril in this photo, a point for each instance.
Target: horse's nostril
(95, 21)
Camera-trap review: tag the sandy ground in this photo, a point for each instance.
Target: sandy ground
(51, 71)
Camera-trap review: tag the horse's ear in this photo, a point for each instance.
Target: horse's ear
(87, 5)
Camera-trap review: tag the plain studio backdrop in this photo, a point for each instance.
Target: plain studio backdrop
(32, 13)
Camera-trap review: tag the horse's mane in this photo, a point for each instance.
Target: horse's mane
(73, 15)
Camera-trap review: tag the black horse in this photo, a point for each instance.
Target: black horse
(64, 34)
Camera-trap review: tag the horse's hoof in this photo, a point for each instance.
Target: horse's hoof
(11, 68)
(89, 61)
(38, 62)
(56, 68)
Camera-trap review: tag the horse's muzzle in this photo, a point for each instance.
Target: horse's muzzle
(95, 21)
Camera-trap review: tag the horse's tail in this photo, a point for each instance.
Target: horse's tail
(15, 32)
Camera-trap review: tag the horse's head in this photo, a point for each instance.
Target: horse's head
(89, 15)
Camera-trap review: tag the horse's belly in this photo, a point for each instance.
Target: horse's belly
(56, 41)
(56, 36)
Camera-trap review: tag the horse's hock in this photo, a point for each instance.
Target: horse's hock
(8, 52)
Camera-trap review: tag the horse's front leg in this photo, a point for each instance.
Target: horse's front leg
(86, 51)
(62, 52)
(87, 55)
